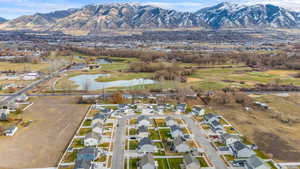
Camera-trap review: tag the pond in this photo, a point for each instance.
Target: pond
(103, 61)
(90, 80)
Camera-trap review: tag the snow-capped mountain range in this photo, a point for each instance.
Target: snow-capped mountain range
(95, 18)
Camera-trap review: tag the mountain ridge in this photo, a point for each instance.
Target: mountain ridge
(98, 17)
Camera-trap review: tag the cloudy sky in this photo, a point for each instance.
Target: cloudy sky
(13, 8)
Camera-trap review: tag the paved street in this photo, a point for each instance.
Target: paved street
(119, 147)
(210, 151)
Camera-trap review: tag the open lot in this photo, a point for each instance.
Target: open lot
(276, 137)
(20, 67)
(41, 144)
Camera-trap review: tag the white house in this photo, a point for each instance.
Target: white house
(92, 139)
(146, 146)
(240, 150)
(180, 146)
(190, 162)
(229, 139)
(256, 163)
(22, 98)
(31, 76)
(99, 118)
(170, 121)
(176, 131)
(11, 131)
(147, 162)
(97, 127)
(143, 131)
(198, 111)
(143, 121)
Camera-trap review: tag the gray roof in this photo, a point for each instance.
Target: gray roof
(79, 164)
(93, 135)
(238, 146)
(175, 127)
(87, 154)
(226, 136)
(147, 159)
(98, 124)
(254, 162)
(10, 129)
(189, 159)
(209, 116)
(145, 141)
(169, 118)
(100, 116)
(178, 141)
(142, 129)
(140, 118)
(215, 123)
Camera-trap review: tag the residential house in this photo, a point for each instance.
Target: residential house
(97, 127)
(148, 111)
(229, 139)
(88, 154)
(198, 111)
(240, 150)
(143, 121)
(99, 118)
(180, 108)
(22, 98)
(147, 162)
(210, 117)
(176, 131)
(11, 131)
(216, 126)
(146, 145)
(180, 146)
(4, 114)
(31, 76)
(170, 121)
(256, 163)
(190, 162)
(143, 131)
(92, 139)
(83, 164)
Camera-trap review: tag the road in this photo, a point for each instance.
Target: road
(31, 86)
(200, 137)
(119, 147)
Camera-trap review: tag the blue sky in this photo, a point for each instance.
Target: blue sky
(13, 8)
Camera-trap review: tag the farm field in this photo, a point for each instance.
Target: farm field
(19, 67)
(55, 120)
(277, 134)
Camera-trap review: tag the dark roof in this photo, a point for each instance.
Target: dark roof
(239, 146)
(209, 116)
(178, 141)
(197, 108)
(254, 161)
(140, 118)
(145, 141)
(142, 129)
(100, 116)
(189, 159)
(175, 127)
(147, 159)
(215, 123)
(87, 154)
(79, 164)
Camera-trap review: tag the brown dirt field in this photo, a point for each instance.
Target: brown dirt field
(279, 140)
(41, 144)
